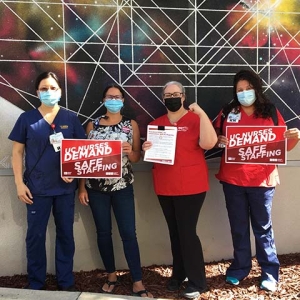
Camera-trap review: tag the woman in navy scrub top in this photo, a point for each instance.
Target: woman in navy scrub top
(41, 187)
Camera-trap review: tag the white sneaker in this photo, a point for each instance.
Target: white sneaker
(268, 285)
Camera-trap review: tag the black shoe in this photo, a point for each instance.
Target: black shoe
(191, 292)
(28, 287)
(174, 284)
(70, 288)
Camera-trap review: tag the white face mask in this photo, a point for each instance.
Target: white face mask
(246, 98)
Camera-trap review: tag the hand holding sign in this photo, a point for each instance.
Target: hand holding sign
(293, 133)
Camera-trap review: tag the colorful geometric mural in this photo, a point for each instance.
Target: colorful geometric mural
(143, 44)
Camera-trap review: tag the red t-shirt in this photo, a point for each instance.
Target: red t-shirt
(248, 174)
(189, 174)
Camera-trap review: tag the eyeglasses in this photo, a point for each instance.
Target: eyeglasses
(173, 95)
(45, 89)
(117, 97)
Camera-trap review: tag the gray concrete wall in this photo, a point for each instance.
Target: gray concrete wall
(213, 226)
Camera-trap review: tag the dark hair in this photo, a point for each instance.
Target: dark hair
(113, 86)
(262, 105)
(44, 76)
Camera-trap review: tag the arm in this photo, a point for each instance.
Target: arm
(82, 192)
(293, 137)
(23, 191)
(218, 124)
(89, 127)
(133, 151)
(222, 140)
(208, 137)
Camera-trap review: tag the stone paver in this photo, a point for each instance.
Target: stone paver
(22, 294)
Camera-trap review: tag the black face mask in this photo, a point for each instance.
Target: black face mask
(173, 104)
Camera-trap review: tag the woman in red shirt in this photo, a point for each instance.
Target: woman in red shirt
(181, 188)
(249, 188)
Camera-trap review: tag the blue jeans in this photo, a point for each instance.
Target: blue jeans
(122, 202)
(255, 204)
(37, 219)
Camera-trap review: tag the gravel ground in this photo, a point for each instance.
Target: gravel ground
(155, 278)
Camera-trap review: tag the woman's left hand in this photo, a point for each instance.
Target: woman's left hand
(67, 180)
(293, 133)
(126, 148)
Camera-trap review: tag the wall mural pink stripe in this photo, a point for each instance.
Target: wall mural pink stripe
(143, 44)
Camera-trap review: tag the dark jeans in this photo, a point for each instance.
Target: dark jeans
(181, 213)
(255, 204)
(37, 218)
(122, 202)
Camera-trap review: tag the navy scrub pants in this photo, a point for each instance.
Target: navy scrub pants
(255, 204)
(37, 219)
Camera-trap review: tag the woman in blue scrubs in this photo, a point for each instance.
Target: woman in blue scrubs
(38, 133)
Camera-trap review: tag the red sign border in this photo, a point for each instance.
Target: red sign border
(90, 176)
(257, 163)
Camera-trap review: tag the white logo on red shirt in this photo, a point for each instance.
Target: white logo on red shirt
(184, 128)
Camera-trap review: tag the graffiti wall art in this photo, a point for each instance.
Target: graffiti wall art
(143, 44)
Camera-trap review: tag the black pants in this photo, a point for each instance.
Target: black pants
(181, 213)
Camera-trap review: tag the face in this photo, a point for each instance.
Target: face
(245, 93)
(114, 93)
(48, 83)
(173, 91)
(243, 85)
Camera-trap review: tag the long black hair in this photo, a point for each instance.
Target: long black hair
(262, 105)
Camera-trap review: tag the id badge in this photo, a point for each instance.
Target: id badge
(55, 140)
(233, 117)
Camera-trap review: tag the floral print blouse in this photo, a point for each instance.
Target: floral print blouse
(121, 131)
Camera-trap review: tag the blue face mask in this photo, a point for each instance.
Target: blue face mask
(113, 105)
(246, 98)
(49, 98)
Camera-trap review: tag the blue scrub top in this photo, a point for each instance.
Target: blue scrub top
(32, 130)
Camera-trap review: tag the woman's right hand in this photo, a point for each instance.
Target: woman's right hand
(146, 145)
(83, 196)
(222, 141)
(24, 193)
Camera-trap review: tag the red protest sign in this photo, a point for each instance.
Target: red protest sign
(91, 158)
(256, 145)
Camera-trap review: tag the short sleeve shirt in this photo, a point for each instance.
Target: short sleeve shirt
(189, 174)
(42, 163)
(251, 175)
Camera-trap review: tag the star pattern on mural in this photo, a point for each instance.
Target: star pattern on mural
(142, 44)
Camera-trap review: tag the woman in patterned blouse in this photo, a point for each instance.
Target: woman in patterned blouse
(103, 193)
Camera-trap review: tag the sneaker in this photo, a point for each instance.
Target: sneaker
(268, 285)
(191, 292)
(232, 280)
(174, 284)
